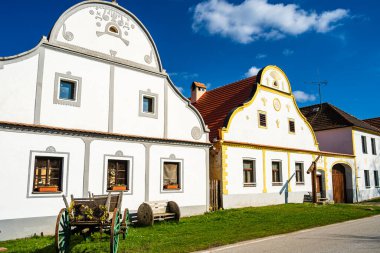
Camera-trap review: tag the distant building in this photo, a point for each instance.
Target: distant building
(89, 109)
(263, 144)
(340, 132)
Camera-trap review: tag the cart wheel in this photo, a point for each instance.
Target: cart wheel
(174, 208)
(145, 215)
(124, 223)
(115, 230)
(62, 232)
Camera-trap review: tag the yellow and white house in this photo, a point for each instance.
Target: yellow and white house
(263, 144)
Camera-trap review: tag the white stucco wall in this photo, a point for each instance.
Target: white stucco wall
(17, 89)
(16, 173)
(335, 140)
(367, 161)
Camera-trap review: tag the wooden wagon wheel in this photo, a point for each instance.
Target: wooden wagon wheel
(145, 215)
(124, 223)
(115, 231)
(62, 232)
(174, 208)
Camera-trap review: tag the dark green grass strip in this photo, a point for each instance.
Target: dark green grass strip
(209, 230)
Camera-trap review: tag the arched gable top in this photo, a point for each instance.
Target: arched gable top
(106, 29)
(273, 77)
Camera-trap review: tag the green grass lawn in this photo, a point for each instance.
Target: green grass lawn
(209, 230)
(373, 200)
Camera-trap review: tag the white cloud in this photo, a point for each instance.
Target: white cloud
(257, 19)
(287, 52)
(261, 56)
(303, 97)
(252, 71)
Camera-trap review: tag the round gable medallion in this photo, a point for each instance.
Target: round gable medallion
(196, 133)
(276, 104)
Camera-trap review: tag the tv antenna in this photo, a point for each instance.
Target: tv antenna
(320, 84)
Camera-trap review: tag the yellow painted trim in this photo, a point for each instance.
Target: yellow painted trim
(355, 164)
(341, 161)
(258, 119)
(284, 149)
(273, 67)
(289, 173)
(326, 173)
(224, 169)
(280, 93)
(264, 172)
(366, 130)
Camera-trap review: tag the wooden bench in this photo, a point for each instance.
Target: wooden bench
(149, 212)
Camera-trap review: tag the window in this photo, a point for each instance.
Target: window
(171, 176)
(47, 174)
(262, 119)
(148, 104)
(249, 172)
(67, 90)
(376, 174)
(299, 173)
(118, 175)
(366, 178)
(292, 128)
(373, 143)
(276, 173)
(113, 29)
(364, 144)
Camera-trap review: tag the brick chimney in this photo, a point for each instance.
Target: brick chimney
(197, 90)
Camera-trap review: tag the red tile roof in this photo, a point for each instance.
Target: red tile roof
(217, 105)
(328, 116)
(374, 122)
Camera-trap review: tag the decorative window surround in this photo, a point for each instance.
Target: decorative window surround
(262, 119)
(277, 177)
(292, 126)
(300, 173)
(118, 156)
(77, 93)
(65, 174)
(246, 173)
(181, 175)
(154, 96)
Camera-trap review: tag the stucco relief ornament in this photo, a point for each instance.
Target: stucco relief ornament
(196, 133)
(264, 101)
(148, 58)
(112, 23)
(277, 104)
(69, 36)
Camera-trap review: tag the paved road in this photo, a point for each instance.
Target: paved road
(353, 236)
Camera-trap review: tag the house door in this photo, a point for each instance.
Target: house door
(319, 185)
(339, 183)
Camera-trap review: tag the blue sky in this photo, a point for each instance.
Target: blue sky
(217, 42)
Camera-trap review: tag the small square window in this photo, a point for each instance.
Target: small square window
(148, 104)
(67, 89)
(292, 127)
(171, 176)
(299, 173)
(262, 119)
(118, 175)
(47, 174)
(249, 172)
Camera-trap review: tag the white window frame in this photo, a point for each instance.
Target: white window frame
(281, 183)
(65, 173)
(154, 96)
(255, 172)
(181, 175)
(303, 172)
(130, 174)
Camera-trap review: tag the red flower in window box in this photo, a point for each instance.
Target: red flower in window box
(119, 188)
(47, 189)
(171, 186)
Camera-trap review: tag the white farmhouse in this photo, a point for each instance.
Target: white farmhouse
(263, 145)
(338, 131)
(91, 109)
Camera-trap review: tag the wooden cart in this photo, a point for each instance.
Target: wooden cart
(88, 215)
(149, 212)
